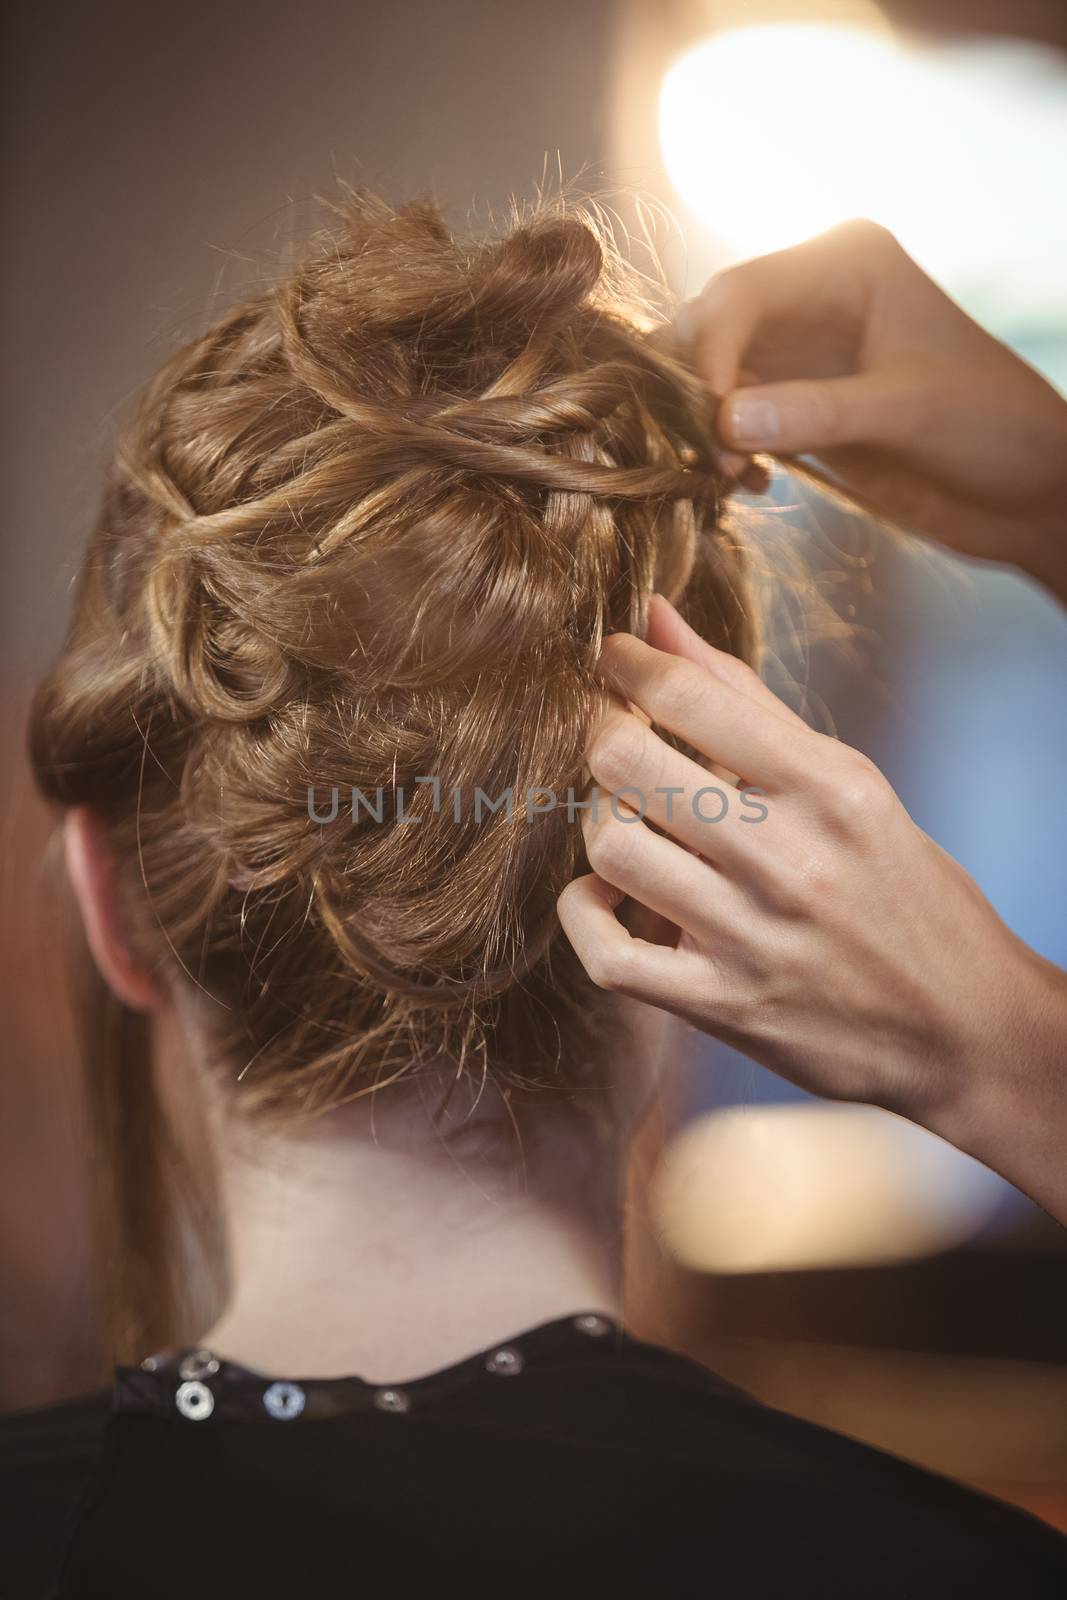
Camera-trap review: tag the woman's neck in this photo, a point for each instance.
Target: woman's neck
(371, 1245)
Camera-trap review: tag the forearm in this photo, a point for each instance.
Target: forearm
(1010, 1111)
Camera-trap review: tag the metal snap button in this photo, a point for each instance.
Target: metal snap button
(395, 1400)
(504, 1363)
(199, 1364)
(284, 1400)
(194, 1400)
(593, 1325)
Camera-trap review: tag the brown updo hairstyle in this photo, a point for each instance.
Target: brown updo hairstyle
(372, 526)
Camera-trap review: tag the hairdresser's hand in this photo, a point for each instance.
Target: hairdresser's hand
(832, 940)
(842, 348)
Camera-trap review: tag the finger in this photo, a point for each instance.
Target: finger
(614, 700)
(612, 957)
(714, 330)
(669, 631)
(720, 324)
(654, 870)
(819, 413)
(741, 733)
(754, 476)
(735, 467)
(639, 777)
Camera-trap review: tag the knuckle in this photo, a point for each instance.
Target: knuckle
(858, 790)
(616, 752)
(738, 674)
(871, 236)
(724, 286)
(567, 900)
(612, 968)
(615, 644)
(678, 690)
(607, 847)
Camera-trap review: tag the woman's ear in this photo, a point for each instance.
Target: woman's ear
(91, 869)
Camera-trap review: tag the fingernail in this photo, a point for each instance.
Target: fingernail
(753, 421)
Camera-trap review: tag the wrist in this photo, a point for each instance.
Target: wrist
(1007, 1105)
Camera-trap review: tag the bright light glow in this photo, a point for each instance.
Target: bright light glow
(771, 134)
(803, 1186)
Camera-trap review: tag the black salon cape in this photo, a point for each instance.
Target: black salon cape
(578, 1465)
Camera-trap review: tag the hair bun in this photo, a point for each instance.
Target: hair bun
(367, 531)
(552, 264)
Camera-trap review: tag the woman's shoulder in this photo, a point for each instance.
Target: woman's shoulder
(709, 1472)
(48, 1458)
(59, 1439)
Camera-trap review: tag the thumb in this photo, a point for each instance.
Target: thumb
(806, 414)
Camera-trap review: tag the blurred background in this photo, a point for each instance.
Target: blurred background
(831, 1259)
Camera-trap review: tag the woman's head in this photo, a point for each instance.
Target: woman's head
(366, 535)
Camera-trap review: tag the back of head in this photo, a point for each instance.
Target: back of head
(366, 535)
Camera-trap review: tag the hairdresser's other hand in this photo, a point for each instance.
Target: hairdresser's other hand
(832, 940)
(842, 348)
